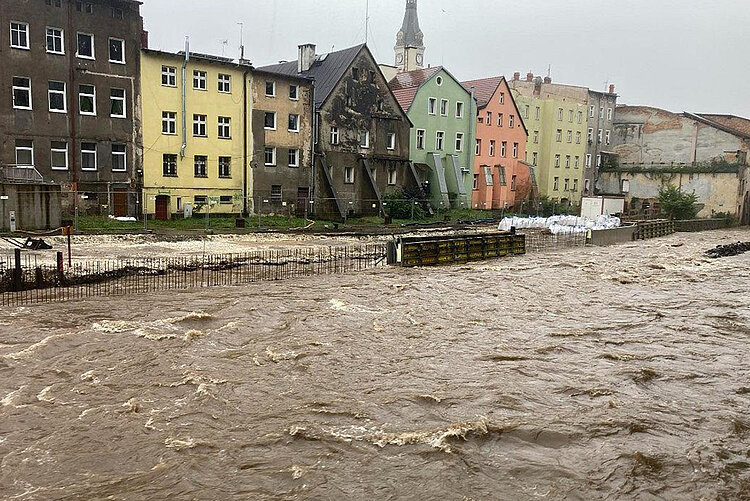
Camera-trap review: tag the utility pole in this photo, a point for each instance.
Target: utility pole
(367, 23)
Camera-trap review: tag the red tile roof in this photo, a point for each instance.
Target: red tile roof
(484, 89)
(405, 85)
(737, 124)
(405, 97)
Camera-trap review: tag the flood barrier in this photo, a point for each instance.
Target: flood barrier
(454, 249)
(653, 229)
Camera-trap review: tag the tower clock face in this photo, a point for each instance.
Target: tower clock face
(420, 59)
(399, 58)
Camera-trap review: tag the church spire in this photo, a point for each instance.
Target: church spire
(410, 40)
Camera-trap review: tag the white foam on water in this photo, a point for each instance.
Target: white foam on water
(40, 344)
(10, 398)
(43, 395)
(281, 356)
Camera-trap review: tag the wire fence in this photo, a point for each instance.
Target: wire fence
(22, 284)
(542, 241)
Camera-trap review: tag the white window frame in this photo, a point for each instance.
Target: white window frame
(224, 126)
(592, 111)
(491, 151)
(296, 122)
(59, 150)
(570, 136)
(272, 150)
(118, 98)
(534, 158)
(295, 152)
(200, 80)
(601, 112)
(459, 141)
(225, 161)
(499, 119)
(502, 98)
(578, 137)
(392, 176)
(169, 118)
(599, 135)
(538, 113)
(391, 141)
(123, 154)
(201, 123)
(274, 120)
(556, 184)
(93, 100)
(274, 88)
(334, 135)
(171, 73)
(366, 144)
(420, 139)
(478, 147)
(566, 184)
(30, 149)
(25, 32)
(109, 50)
(511, 121)
(28, 91)
(444, 107)
(96, 160)
(432, 106)
(439, 140)
(349, 175)
(560, 112)
(598, 160)
(64, 97)
(53, 36)
(609, 113)
(607, 137)
(558, 136)
(580, 117)
(576, 162)
(459, 109)
(588, 159)
(503, 149)
(515, 150)
(590, 135)
(535, 137)
(93, 49)
(224, 83)
(296, 93)
(567, 161)
(557, 160)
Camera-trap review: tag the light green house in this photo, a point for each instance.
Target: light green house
(443, 136)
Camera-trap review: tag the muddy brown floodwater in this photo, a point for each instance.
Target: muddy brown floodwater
(598, 373)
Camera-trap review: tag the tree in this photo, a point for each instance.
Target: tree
(677, 204)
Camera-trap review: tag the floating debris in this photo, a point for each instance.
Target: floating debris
(729, 250)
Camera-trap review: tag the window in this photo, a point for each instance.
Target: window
(116, 51)
(420, 139)
(577, 162)
(200, 199)
(439, 139)
(609, 113)
(536, 137)
(431, 104)
(199, 125)
(225, 128)
(538, 112)
(199, 80)
(276, 193)
(567, 161)
(349, 175)
(200, 166)
(511, 121)
(85, 46)
(515, 150)
(293, 92)
(168, 122)
(480, 119)
(560, 114)
(169, 165)
(224, 83)
(556, 184)
(459, 141)
(269, 122)
(87, 99)
(225, 167)
(570, 136)
(592, 109)
(169, 76)
(607, 138)
(601, 112)
(580, 117)
(558, 136)
(503, 148)
(117, 103)
(478, 148)
(475, 185)
(271, 89)
(513, 182)
(293, 158)
(489, 118)
(355, 73)
(391, 177)
(24, 153)
(119, 157)
(293, 123)
(534, 158)
(56, 94)
(444, 107)
(588, 160)
(503, 179)
(578, 137)
(625, 186)
(492, 148)
(55, 41)
(586, 185)
(557, 160)
(225, 199)
(269, 156)
(22, 93)
(459, 109)
(88, 8)
(567, 185)
(591, 134)
(117, 13)
(439, 81)
(599, 135)
(88, 156)
(499, 119)
(364, 139)
(575, 185)
(570, 116)
(526, 112)
(19, 35)
(334, 135)
(59, 155)
(598, 160)
(391, 141)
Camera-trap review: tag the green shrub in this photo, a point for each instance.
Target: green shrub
(399, 205)
(677, 204)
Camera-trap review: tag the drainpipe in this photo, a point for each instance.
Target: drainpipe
(71, 94)
(471, 147)
(315, 132)
(184, 97)
(245, 164)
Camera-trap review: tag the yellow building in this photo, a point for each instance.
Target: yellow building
(196, 134)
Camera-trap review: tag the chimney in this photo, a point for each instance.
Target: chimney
(144, 39)
(611, 88)
(529, 77)
(517, 76)
(306, 57)
(548, 80)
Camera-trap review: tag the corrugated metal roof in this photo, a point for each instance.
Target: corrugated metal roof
(484, 89)
(327, 71)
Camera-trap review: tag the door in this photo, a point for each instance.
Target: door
(120, 199)
(162, 208)
(303, 201)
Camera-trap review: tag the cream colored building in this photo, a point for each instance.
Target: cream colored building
(196, 133)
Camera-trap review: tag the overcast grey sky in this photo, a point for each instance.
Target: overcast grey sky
(682, 55)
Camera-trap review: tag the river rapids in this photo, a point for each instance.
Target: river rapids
(598, 373)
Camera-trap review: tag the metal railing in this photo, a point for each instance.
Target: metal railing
(21, 173)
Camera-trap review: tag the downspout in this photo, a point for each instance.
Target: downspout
(470, 148)
(313, 144)
(71, 93)
(184, 97)
(245, 164)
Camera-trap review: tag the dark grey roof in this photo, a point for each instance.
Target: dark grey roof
(410, 34)
(326, 71)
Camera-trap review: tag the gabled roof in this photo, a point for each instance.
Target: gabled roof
(405, 97)
(484, 89)
(406, 85)
(327, 70)
(729, 123)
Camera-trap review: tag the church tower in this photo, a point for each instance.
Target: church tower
(410, 41)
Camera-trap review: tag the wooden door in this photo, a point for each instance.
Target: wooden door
(162, 208)
(120, 202)
(303, 200)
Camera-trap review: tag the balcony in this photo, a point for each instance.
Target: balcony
(20, 174)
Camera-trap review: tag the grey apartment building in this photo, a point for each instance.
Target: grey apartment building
(69, 110)
(601, 114)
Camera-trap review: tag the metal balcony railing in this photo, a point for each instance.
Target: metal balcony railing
(20, 173)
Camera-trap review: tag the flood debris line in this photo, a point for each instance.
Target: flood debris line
(729, 250)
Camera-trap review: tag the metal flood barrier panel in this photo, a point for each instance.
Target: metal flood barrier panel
(454, 249)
